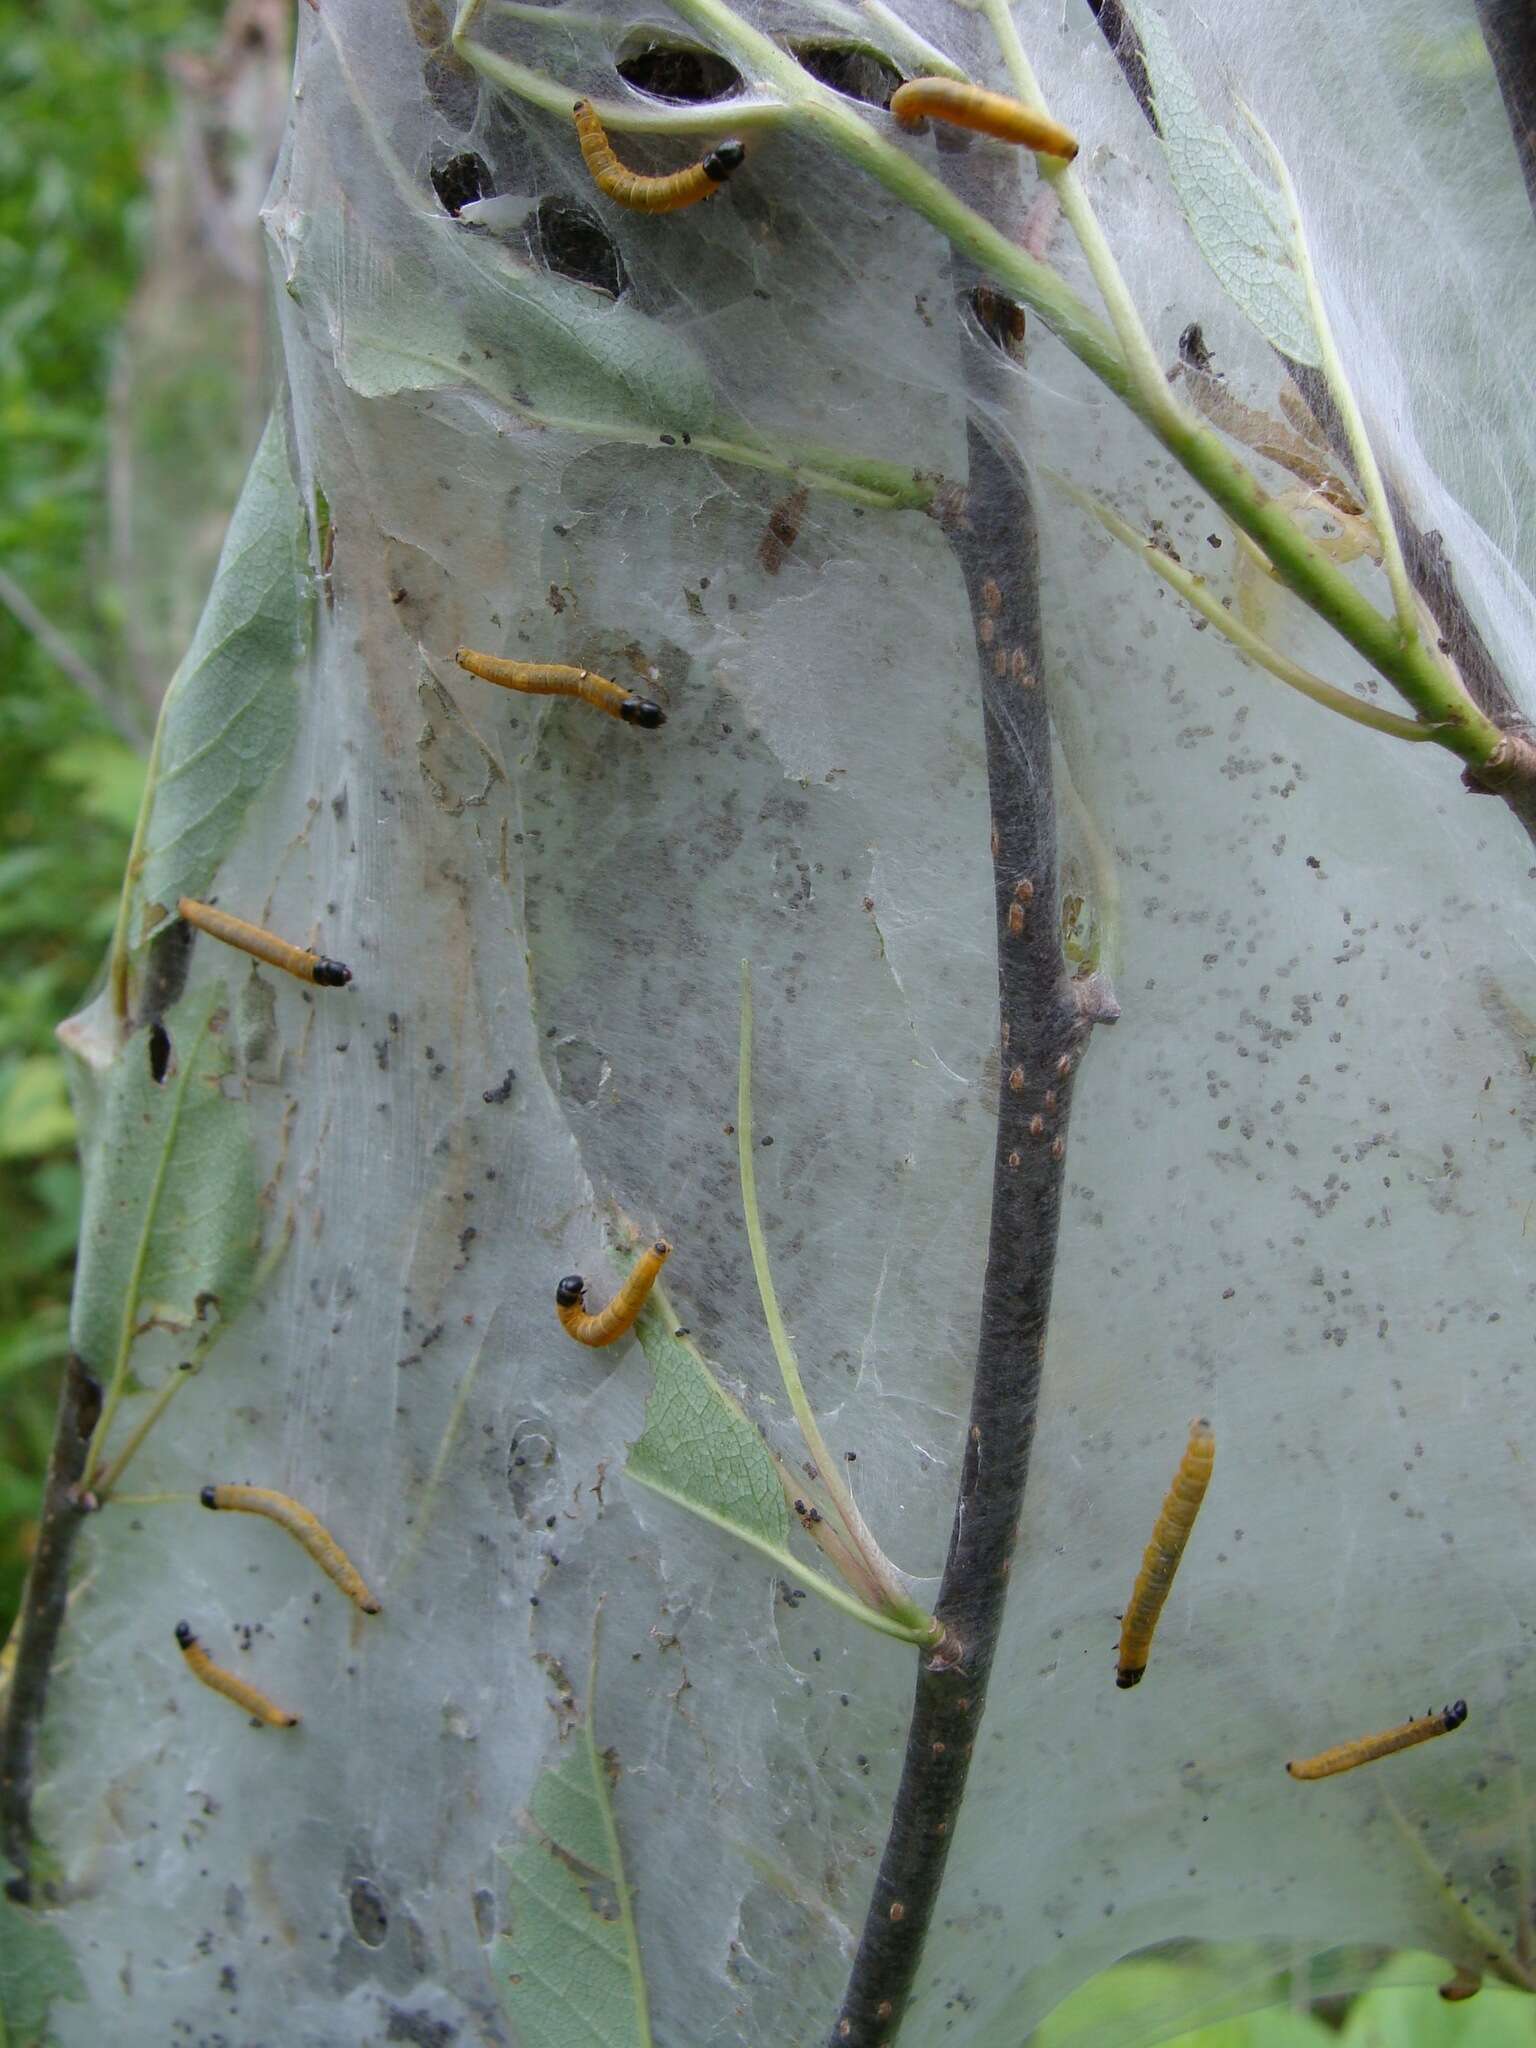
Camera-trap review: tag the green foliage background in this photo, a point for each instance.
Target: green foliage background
(85, 98)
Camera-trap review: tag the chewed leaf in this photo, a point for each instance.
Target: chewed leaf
(231, 711)
(37, 1972)
(568, 1970)
(171, 1219)
(462, 314)
(1239, 225)
(698, 1447)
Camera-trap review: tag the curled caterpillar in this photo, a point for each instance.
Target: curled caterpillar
(983, 112)
(263, 945)
(1365, 1749)
(620, 1313)
(303, 1527)
(551, 679)
(217, 1679)
(1161, 1558)
(639, 192)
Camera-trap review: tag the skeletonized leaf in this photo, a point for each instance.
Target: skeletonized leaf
(37, 1972)
(231, 712)
(698, 1448)
(469, 316)
(171, 1217)
(1239, 225)
(568, 1969)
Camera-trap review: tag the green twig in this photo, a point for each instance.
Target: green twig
(894, 1601)
(920, 1631)
(1135, 344)
(1197, 592)
(1371, 481)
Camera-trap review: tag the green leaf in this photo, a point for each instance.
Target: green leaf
(1414, 2016)
(568, 1968)
(37, 1970)
(35, 1116)
(698, 1448)
(462, 313)
(172, 1219)
(230, 713)
(1239, 224)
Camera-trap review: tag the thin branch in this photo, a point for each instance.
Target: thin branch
(1197, 592)
(42, 1617)
(1043, 1029)
(65, 657)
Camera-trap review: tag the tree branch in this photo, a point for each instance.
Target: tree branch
(1509, 30)
(1044, 1024)
(42, 1617)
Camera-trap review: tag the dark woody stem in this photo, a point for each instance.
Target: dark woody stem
(1045, 1018)
(1509, 30)
(42, 1617)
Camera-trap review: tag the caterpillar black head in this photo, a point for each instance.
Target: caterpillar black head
(570, 1291)
(641, 711)
(719, 164)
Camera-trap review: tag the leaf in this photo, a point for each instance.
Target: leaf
(37, 1971)
(231, 712)
(171, 1212)
(568, 1970)
(1237, 222)
(698, 1448)
(465, 314)
(1413, 2016)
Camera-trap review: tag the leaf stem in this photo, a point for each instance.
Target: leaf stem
(883, 1573)
(1065, 181)
(1366, 469)
(1197, 592)
(621, 1884)
(920, 1632)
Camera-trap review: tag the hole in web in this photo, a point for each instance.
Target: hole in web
(676, 71)
(1000, 319)
(461, 180)
(853, 69)
(159, 1052)
(569, 239)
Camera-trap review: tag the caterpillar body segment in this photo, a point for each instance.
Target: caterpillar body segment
(554, 679)
(303, 1527)
(263, 945)
(1365, 1749)
(983, 112)
(1160, 1560)
(248, 1697)
(612, 1322)
(642, 194)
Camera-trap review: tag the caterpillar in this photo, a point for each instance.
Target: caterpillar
(651, 195)
(263, 945)
(303, 1528)
(1161, 1558)
(550, 679)
(1365, 1749)
(619, 1315)
(217, 1679)
(983, 112)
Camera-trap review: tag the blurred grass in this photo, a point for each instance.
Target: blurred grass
(85, 99)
